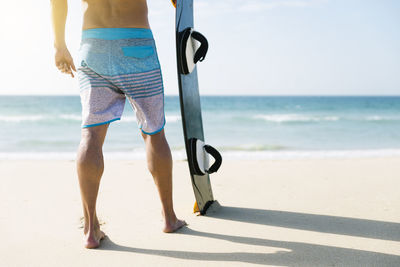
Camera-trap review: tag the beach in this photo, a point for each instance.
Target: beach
(300, 98)
(287, 212)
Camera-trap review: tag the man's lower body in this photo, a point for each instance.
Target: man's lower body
(118, 64)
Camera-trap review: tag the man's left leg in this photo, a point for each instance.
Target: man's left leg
(159, 162)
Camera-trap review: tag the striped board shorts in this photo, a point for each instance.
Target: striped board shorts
(116, 64)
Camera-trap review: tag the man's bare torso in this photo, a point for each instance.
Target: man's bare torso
(115, 14)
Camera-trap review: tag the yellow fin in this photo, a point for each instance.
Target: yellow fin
(195, 208)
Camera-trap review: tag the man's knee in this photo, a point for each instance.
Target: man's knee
(90, 155)
(154, 138)
(94, 135)
(92, 139)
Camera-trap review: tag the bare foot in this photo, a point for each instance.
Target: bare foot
(92, 239)
(172, 227)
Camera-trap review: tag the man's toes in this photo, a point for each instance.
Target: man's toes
(102, 235)
(181, 223)
(177, 225)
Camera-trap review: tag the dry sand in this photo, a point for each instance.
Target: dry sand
(327, 212)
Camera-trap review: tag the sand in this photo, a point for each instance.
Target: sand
(311, 212)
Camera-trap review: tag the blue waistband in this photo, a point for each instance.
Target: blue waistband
(117, 33)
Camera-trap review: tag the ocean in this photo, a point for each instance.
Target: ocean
(241, 127)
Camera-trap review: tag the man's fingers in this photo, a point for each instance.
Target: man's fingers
(63, 67)
(69, 65)
(72, 65)
(66, 67)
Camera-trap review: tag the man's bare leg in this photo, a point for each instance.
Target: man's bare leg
(90, 168)
(159, 162)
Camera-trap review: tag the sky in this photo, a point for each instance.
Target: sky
(257, 47)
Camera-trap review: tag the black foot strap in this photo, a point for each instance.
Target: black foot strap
(189, 53)
(199, 158)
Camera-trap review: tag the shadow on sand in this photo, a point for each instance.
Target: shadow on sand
(312, 222)
(294, 253)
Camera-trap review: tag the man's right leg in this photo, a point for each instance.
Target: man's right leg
(90, 166)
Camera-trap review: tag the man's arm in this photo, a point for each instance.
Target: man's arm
(63, 59)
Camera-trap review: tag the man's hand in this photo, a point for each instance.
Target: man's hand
(64, 61)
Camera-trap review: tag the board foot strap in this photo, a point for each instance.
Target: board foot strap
(200, 157)
(189, 50)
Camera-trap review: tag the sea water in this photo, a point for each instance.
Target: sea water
(241, 127)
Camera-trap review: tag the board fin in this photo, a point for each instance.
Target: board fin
(196, 208)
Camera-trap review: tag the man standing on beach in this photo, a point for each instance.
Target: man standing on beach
(117, 60)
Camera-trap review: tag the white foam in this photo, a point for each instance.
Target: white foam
(173, 118)
(37, 155)
(279, 118)
(380, 118)
(27, 118)
(311, 154)
(71, 117)
(22, 118)
(139, 154)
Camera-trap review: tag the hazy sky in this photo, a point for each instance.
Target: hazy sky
(265, 47)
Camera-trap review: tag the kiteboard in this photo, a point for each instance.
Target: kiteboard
(191, 48)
